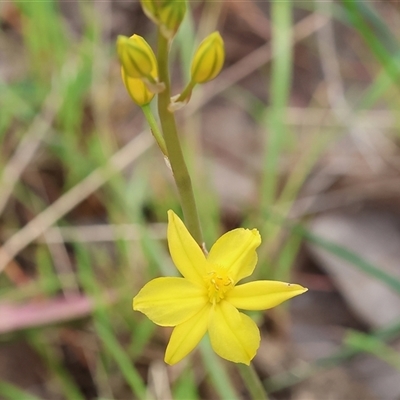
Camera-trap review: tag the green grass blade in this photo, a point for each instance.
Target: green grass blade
(378, 49)
(185, 387)
(120, 356)
(217, 373)
(50, 356)
(373, 345)
(279, 88)
(9, 391)
(353, 258)
(299, 374)
(340, 251)
(103, 325)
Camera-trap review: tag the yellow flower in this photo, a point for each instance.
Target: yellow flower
(208, 59)
(207, 297)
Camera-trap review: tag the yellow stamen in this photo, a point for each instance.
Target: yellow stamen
(218, 283)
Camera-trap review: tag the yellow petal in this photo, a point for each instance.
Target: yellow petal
(185, 252)
(136, 88)
(233, 335)
(236, 250)
(187, 335)
(170, 301)
(262, 295)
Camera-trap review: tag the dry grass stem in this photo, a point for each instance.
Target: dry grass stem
(99, 233)
(37, 226)
(28, 146)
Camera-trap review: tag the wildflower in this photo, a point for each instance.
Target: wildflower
(207, 297)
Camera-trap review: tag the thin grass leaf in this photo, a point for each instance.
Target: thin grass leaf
(185, 387)
(122, 359)
(280, 82)
(217, 374)
(344, 353)
(340, 251)
(103, 325)
(54, 364)
(373, 345)
(11, 392)
(353, 258)
(378, 49)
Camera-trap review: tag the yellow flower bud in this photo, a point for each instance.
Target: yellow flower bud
(209, 58)
(139, 69)
(168, 14)
(150, 8)
(137, 89)
(136, 56)
(171, 15)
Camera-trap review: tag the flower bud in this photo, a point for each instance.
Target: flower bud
(168, 14)
(136, 56)
(150, 8)
(209, 58)
(171, 15)
(137, 89)
(139, 69)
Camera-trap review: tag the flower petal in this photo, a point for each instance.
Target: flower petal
(140, 94)
(234, 336)
(186, 336)
(170, 301)
(235, 250)
(185, 252)
(262, 295)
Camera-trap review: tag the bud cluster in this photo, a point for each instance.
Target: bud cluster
(139, 64)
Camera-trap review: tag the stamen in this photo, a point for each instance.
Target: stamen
(218, 283)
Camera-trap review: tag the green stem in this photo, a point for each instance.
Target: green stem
(178, 165)
(252, 382)
(187, 92)
(155, 130)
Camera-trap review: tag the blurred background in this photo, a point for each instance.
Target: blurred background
(298, 137)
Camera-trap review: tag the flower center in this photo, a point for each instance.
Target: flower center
(218, 283)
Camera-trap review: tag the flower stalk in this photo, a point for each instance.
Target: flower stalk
(252, 381)
(174, 150)
(155, 130)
